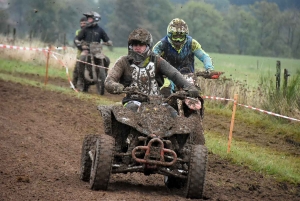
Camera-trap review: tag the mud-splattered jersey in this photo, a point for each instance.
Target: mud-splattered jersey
(184, 57)
(147, 78)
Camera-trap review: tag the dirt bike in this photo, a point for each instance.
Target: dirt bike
(95, 75)
(151, 140)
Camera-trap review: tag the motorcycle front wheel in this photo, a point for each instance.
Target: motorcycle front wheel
(100, 82)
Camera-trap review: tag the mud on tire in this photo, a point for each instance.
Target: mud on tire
(197, 172)
(86, 162)
(102, 163)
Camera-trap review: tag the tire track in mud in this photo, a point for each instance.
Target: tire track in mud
(40, 143)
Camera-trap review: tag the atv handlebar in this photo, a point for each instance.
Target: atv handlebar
(135, 92)
(209, 75)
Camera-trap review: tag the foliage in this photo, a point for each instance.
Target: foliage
(147, 14)
(262, 28)
(283, 99)
(204, 24)
(241, 26)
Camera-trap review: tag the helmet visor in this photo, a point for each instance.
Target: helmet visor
(178, 36)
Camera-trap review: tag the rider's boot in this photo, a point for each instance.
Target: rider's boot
(80, 85)
(75, 75)
(80, 79)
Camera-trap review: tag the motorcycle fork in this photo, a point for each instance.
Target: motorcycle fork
(95, 77)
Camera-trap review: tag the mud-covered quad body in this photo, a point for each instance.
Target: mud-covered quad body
(151, 140)
(94, 74)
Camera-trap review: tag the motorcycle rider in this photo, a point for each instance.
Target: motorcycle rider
(92, 32)
(75, 71)
(179, 48)
(144, 70)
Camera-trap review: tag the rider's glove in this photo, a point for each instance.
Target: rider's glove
(109, 43)
(118, 88)
(192, 90)
(78, 43)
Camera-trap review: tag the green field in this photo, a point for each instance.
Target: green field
(250, 68)
(238, 67)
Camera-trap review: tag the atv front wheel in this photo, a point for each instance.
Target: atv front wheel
(86, 162)
(197, 172)
(102, 164)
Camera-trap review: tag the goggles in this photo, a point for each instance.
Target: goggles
(178, 36)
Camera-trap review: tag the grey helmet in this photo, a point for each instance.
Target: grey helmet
(96, 17)
(142, 36)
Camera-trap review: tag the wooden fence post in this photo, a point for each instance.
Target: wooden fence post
(14, 36)
(64, 47)
(232, 122)
(30, 38)
(285, 80)
(278, 69)
(47, 64)
(8, 31)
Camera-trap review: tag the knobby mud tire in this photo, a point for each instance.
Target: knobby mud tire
(102, 164)
(86, 163)
(197, 172)
(100, 83)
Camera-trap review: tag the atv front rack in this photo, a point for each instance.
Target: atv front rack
(155, 154)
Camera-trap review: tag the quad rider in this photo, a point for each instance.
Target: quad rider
(75, 71)
(144, 70)
(179, 49)
(92, 32)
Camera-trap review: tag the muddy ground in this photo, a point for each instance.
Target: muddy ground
(41, 134)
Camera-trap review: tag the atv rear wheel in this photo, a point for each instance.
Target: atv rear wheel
(102, 163)
(197, 172)
(86, 163)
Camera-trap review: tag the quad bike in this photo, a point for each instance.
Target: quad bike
(151, 140)
(95, 75)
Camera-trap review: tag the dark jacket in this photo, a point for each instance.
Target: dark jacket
(92, 34)
(121, 72)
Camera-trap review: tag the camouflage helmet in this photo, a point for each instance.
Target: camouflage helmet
(96, 17)
(177, 30)
(139, 36)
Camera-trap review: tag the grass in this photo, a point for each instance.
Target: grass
(67, 91)
(243, 69)
(248, 68)
(14, 66)
(263, 160)
(259, 159)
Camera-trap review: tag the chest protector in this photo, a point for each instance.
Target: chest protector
(144, 78)
(185, 58)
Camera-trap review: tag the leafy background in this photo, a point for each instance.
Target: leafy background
(248, 27)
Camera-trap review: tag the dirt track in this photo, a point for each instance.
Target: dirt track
(41, 133)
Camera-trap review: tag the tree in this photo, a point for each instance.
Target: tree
(241, 25)
(151, 15)
(290, 32)
(268, 27)
(205, 24)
